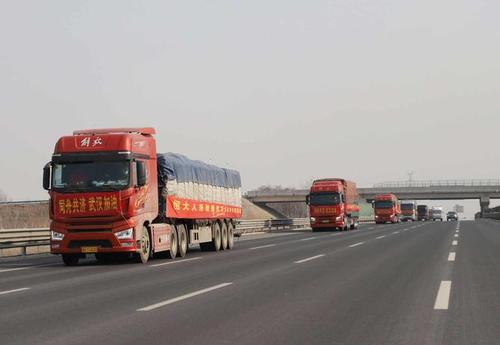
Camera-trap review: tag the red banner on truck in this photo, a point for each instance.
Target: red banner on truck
(83, 204)
(188, 208)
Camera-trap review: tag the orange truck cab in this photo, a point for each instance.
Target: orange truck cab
(387, 209)
(333, 203)
(110, 195)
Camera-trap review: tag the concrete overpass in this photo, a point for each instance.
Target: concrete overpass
(481, 190)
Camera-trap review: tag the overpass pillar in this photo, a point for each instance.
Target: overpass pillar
(484, 202)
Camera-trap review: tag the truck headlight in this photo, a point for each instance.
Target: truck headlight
(56, 236)
(127, 234)
(313, 219)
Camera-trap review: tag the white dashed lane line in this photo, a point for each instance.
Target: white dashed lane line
(451, 256)
(264, 246)
(15, 290)
(356, 244)
(183, 297)
(443, 296)
(309, 259)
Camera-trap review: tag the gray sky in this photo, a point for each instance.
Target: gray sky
(284, 91)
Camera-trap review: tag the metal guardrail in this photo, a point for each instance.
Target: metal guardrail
(24, 238)
(439, 183)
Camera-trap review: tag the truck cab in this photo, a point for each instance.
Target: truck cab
(333, 204)
(103, 191)
(387, 209)
(408, 211)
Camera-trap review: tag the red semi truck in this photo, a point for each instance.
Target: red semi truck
(333, 203)
(112, 194)
(387, 209)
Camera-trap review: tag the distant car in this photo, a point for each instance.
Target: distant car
(450, 216)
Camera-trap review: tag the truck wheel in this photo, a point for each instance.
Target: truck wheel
(70, 259)
(216, 240)
(182, 240)
(230, 235)
(174, 247)
(223, 236)
(145, 251)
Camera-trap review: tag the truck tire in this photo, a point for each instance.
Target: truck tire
(174, 245)
(145, 251)
(230, 235)
(181, 240)
(223, 236)
(216, 240)
(70, 259)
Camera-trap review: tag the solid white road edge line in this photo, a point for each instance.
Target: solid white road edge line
(183, 297)
(264, 246)
(175, 262)
(15, 290)
(443, 296)
(451, 256)
(309, 259)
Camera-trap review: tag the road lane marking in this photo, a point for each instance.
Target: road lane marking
(396, 232)
(356, 244)
(308, 238)
(15, 269)
(175, 262)
(265, 246)
(454, 243)
(15, 290)
(309, 259)
(183, 297)
(443, 296)
(456, 235)
(27, 267)
(451, 256)
(378, 238)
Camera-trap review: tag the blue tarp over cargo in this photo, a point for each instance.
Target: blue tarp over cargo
(173, 166)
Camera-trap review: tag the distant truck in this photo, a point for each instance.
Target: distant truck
(333, 203)
(408, 211)
(436, 213)
(423, 212)
(112, 194)
(387, 209)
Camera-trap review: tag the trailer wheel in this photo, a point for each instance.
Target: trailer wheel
(70, 259)
(182, 240)
(145, 252)
(230, 235)
(223, 236)
(216, 240)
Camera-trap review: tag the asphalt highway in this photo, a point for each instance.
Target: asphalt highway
(409, 283)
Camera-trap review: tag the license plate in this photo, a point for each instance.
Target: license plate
(89, 249)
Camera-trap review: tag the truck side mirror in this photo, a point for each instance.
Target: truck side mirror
(307, 199)
(141, 173)
(46, 176)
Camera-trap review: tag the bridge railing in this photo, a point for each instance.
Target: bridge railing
(439, 183)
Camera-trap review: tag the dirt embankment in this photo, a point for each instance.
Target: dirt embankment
(19, 216)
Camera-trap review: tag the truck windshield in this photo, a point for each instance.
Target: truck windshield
(91, 176)
(383, 204)
(407, 206)
(321, 199)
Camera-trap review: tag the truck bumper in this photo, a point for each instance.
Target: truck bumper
(90, 243)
